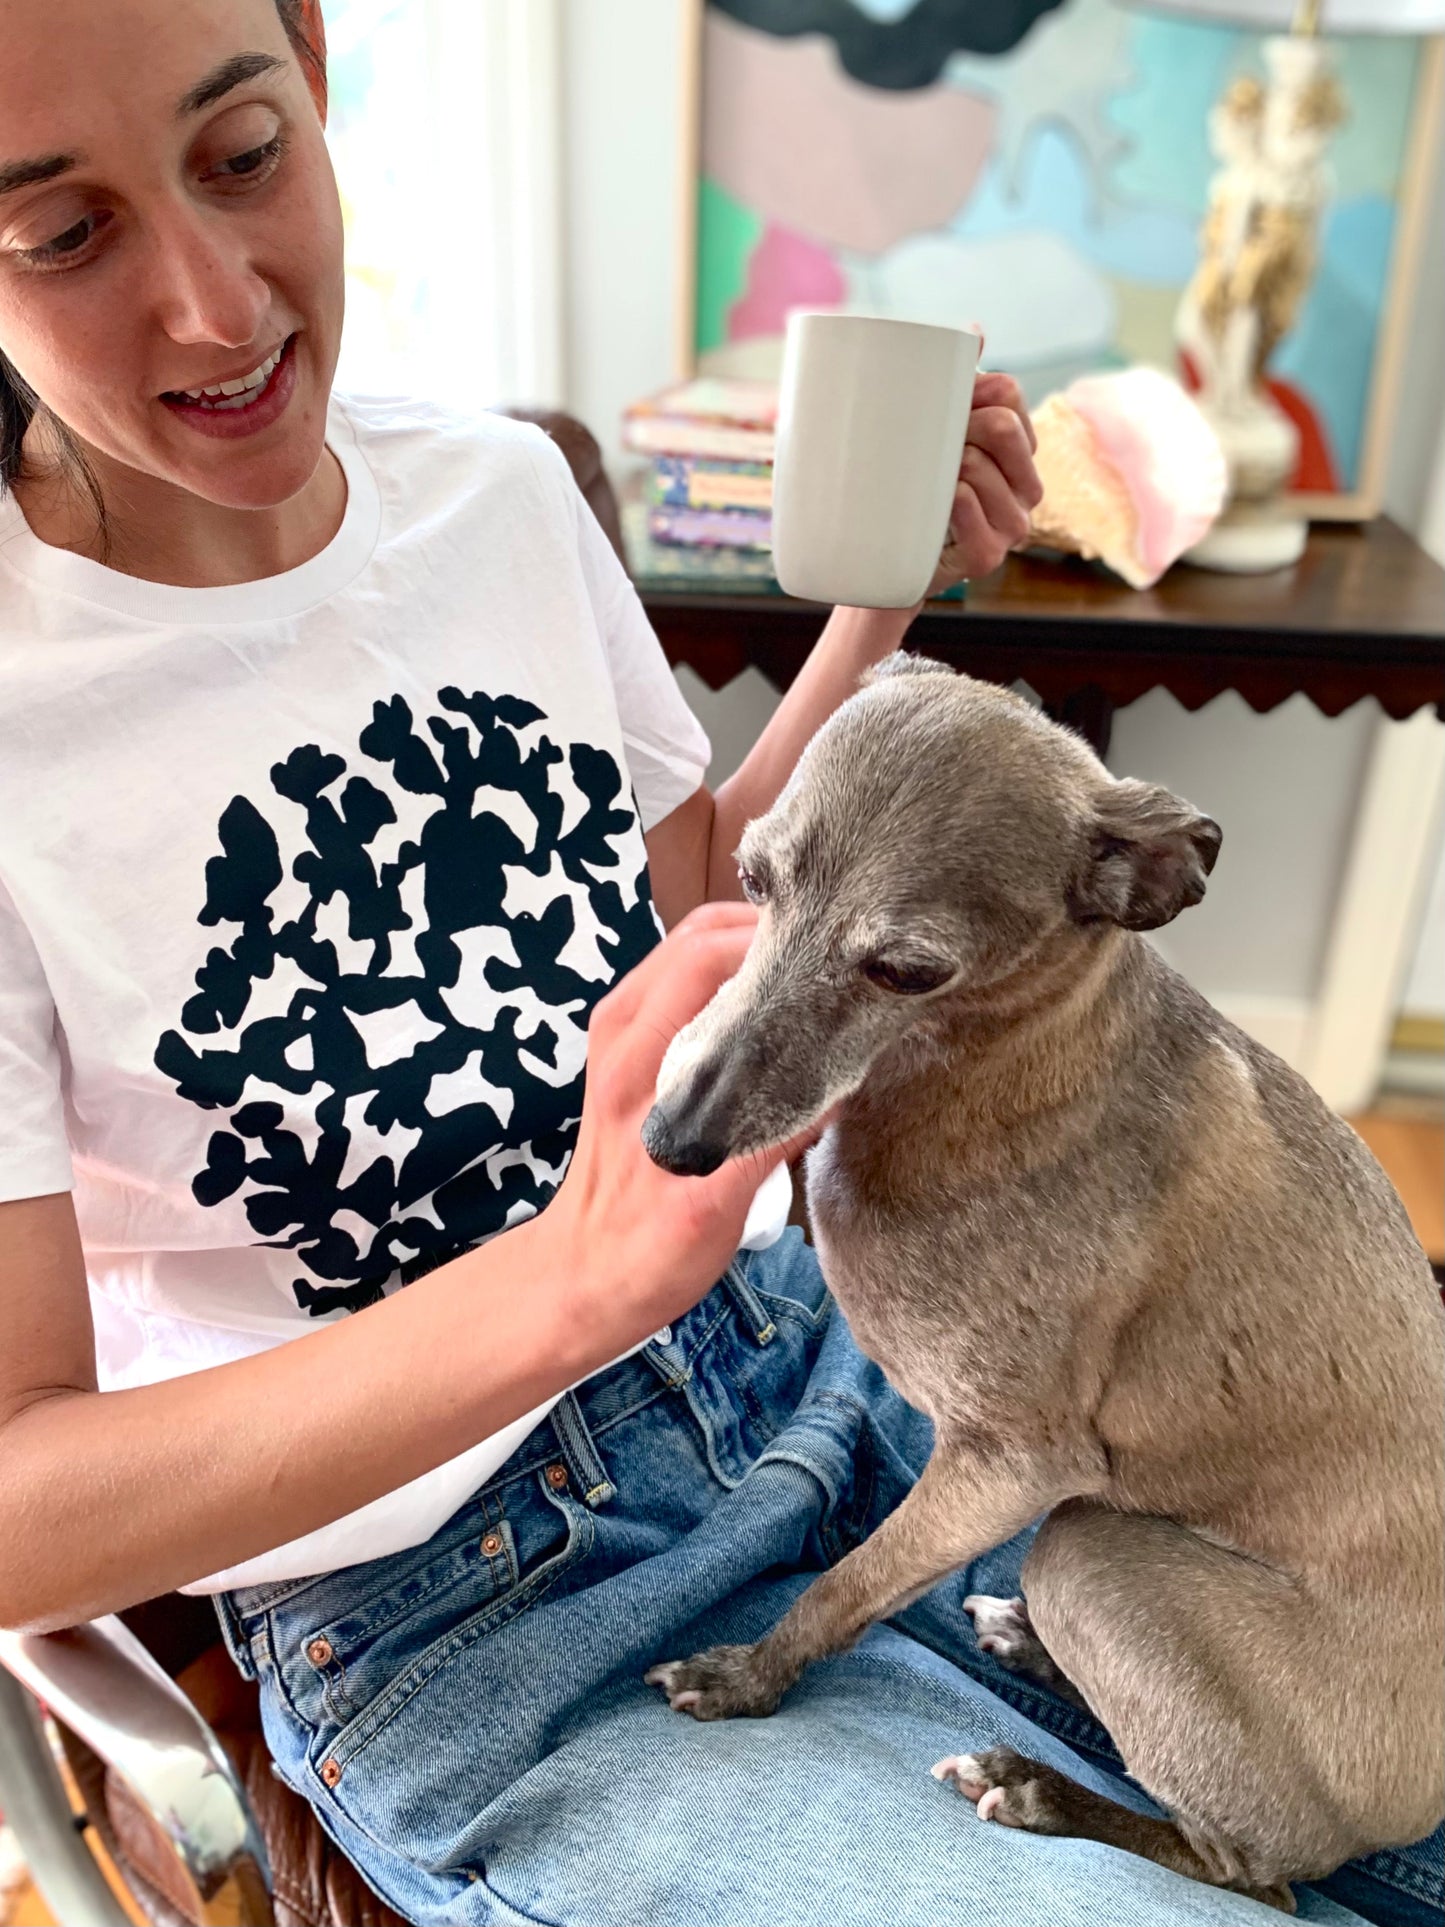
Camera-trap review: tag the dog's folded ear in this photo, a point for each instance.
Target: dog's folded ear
(901, 663)
(1147, 855)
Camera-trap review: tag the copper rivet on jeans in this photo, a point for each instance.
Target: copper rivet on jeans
(492, 1544)
(318, 1651)
(556, 1477)
(331, 1773)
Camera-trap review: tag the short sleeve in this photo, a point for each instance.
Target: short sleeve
(34, 1153)
(666, 746)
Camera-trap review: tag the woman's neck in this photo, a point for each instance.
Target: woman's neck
(162, 533)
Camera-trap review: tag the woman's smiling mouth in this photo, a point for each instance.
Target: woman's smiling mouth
(241, 404)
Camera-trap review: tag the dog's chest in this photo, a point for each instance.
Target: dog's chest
(964, 1305)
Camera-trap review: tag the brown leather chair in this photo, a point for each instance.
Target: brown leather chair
(217, 1837)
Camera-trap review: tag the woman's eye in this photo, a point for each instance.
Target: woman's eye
(906, 980)
(73, 239)
(753, 888)
(253, 161)
(62, 246)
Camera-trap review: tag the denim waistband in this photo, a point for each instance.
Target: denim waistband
(569, 1434)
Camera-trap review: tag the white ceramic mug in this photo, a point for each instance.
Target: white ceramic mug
(872, 416)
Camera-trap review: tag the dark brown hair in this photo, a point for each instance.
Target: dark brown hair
(19, 403)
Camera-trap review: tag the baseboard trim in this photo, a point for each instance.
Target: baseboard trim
(1416, 1031)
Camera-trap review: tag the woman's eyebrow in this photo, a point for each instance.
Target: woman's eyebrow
(15, 174)
(234, 72)
(231, 73)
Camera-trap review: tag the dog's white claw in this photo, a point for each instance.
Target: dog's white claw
(962, 1769)
(664, 1676)
(990, 1803)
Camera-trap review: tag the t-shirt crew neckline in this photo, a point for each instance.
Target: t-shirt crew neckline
(287, 594)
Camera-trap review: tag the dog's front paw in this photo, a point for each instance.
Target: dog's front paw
(1006, 1787)
(718, 1684)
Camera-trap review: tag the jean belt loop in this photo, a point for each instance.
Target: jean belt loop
(236, 1642)
(583, 1460)
(750, 1307)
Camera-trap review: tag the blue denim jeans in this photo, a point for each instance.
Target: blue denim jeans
(469, 1722)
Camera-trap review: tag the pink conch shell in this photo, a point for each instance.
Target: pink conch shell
(1132, 472)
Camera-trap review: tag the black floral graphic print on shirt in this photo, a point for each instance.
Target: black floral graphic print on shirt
(399, 1012)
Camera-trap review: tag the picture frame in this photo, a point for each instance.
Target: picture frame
(1339, 371)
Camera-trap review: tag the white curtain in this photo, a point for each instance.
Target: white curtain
(445, 131)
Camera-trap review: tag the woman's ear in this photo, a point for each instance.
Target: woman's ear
(1146, 856)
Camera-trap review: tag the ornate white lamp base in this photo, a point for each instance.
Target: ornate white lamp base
(1251, 538)
(1257, 261)
(1257, 531)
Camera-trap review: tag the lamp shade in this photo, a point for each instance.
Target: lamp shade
(1336, 16)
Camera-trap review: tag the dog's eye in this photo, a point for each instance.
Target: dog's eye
(753, 888)
(906, 980)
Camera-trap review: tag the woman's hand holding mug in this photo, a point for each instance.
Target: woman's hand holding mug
(890, 445)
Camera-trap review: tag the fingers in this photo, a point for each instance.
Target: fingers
(640, 1018)
(1002, 391)
(1003, 511)
(709, 919)
(975, 548)
(1003, 436)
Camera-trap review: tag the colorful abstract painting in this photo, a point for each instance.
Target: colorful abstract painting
(1039, 167)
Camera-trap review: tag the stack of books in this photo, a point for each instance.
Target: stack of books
(710, 442)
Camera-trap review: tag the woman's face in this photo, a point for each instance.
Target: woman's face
(169, 222)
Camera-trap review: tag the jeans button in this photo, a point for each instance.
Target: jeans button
(318, 1650)
(557, 1476)
(663, 1337)
(492, 1544)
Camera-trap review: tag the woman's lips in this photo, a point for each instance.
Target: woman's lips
(268, 405)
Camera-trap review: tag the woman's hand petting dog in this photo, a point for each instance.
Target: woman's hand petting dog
(644, 1245)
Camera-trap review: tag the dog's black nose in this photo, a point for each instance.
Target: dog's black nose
(677, 1151)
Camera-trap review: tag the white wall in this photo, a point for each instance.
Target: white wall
(621, 62)
(1425, 990)
(1285, 786)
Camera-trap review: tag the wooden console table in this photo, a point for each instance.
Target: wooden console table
(1361, 614)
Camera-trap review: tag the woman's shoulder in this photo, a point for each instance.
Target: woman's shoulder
(410, 421)
(419, 444)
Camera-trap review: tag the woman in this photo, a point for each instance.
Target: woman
(339, 773)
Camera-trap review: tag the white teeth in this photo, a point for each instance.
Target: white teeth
(221, 394)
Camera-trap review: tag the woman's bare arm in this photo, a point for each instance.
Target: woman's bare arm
(111, 1497)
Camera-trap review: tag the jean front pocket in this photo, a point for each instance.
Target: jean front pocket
(341, 1641)
(416, 1747)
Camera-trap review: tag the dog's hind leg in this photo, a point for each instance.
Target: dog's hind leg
(1019, 1792)
(1217, 1678)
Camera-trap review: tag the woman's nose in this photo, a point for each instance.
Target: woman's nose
(207, 287)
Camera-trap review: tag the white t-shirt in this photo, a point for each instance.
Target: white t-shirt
(307, 888)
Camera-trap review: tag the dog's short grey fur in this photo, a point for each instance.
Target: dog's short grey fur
(1135, 1272)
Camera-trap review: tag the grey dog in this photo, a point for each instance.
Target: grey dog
(1138, 1276)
